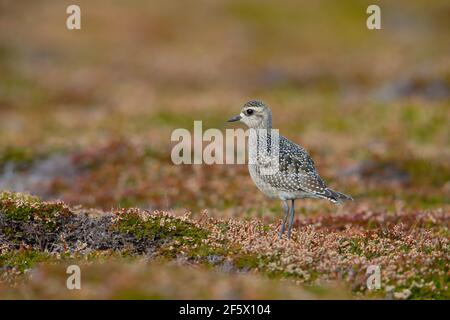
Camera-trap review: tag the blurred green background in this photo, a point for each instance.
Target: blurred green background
(86, 115)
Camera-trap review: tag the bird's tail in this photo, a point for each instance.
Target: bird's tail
(336, 197)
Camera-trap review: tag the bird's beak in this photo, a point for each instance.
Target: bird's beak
(235, 118)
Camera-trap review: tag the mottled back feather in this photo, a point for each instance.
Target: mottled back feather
(296, 172)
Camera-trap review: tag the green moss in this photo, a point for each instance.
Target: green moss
(251, 261)
(247, 261)
(20, 207)
(182, 237)
(157, 226)
(22, 260)
(204, 251)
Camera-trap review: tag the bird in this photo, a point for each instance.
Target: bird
(279, 167)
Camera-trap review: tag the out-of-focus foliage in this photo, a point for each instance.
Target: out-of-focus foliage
(410, 249)
(86, 117)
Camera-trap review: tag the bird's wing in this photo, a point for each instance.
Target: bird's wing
(296, 171)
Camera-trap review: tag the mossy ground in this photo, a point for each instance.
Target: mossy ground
(412, 251)
(22, 208)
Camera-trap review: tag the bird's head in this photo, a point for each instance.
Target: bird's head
(255, 114)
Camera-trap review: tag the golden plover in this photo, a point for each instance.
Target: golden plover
(280, 168)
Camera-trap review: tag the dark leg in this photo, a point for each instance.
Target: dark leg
(286, 213)
(291, 222)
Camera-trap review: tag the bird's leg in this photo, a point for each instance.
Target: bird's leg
(291, 222)
(286, 213)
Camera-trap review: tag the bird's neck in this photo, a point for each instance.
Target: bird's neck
(260, 139)
(263, 130)
(266, 124)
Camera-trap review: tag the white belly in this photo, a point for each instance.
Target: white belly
(266, 188)
(272, 192)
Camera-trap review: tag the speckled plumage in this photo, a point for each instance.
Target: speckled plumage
(294, 177)
(286, 172)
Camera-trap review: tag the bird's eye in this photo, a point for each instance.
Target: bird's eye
(249, 112)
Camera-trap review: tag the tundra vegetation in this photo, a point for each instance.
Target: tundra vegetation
(86, 177)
